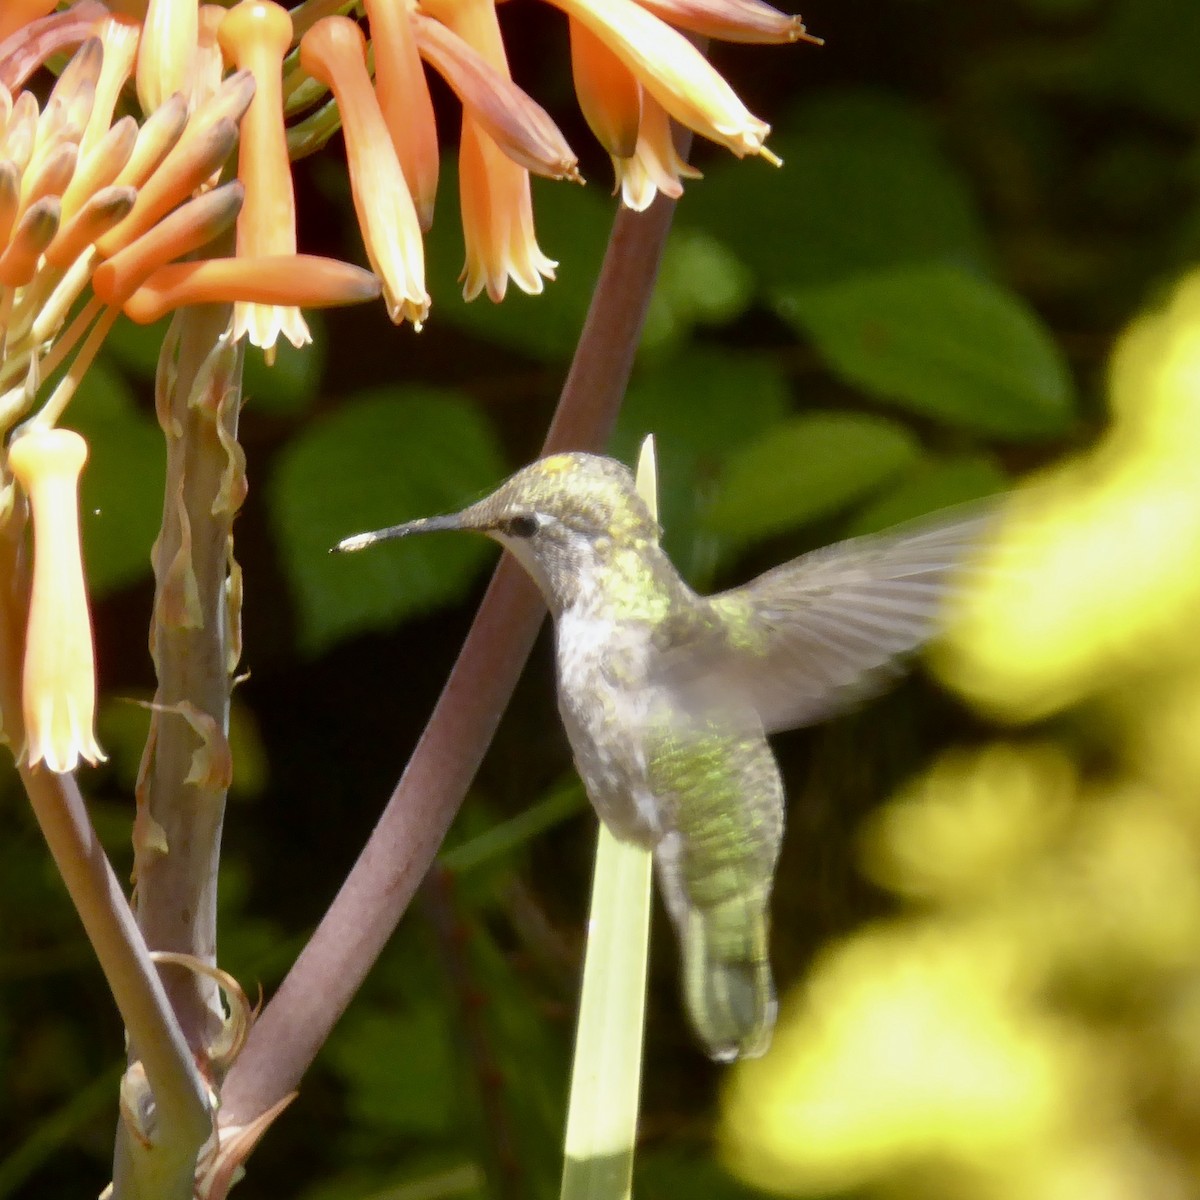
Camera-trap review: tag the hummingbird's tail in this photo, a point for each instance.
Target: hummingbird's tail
(727, 977)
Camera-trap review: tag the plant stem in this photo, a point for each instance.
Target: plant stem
(194, 641)
(154, 1037)
(376, 893)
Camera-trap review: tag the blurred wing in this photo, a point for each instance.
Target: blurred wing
(811, 637)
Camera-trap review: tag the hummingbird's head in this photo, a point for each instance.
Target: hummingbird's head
(563, 517)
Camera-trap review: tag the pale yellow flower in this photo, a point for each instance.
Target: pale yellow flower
(59, 676)
(166, 55)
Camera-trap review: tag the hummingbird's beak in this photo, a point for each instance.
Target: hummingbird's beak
(424, 525)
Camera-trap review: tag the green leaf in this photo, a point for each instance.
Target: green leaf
(942, 343)
(135, 347)
(809, 467)
(1148, 54)
(707, 399)
(381, 459)
(288, 387)
(398, 1068)
(665, 1174)
(933, 486)
(863, 186)
(700, 282)
(701, 406)
(121, 490)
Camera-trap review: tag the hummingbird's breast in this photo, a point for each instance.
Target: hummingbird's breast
(607, 703)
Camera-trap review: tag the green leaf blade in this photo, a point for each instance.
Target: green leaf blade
(810, 467)
(381, 459)
(941, 343)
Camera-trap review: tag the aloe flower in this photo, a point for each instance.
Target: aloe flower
(58, 682)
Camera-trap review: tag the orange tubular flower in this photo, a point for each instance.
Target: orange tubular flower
(514, 121)
(189, 227)
(302, 279)
(101, 166)
(255, 36)
(209, 63)
(34, 232)
(732, 20)
(104, 209)
(404, 100)
(205, 144)
(334, 52)
(609, 95)
(497, 209)
(59, 677)
(673, 71)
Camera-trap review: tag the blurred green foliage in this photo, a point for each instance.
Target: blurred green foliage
(993, 976)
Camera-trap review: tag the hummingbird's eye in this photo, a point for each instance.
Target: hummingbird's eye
(521, 526)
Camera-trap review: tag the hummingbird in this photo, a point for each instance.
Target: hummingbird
(668, 696)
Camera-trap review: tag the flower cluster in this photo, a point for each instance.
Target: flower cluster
(102, 214)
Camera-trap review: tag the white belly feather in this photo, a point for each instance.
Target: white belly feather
(606, 706)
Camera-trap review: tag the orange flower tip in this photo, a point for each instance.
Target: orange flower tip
(231, 100)
(255, 25)
(67, 741)
(263, 323)
(299, 280)
(189, 227)
(512, 119)
(10, 197)
(78, 78)
(326, 44)
(104, 210)
(35, 231)
(54, 174)
(156, 138)
(194, 159)
(732, 20)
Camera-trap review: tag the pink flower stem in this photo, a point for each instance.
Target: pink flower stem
(376, 893)
(181, 1099)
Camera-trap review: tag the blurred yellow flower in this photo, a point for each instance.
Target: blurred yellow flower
(1095, 577)
(909, 1047)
